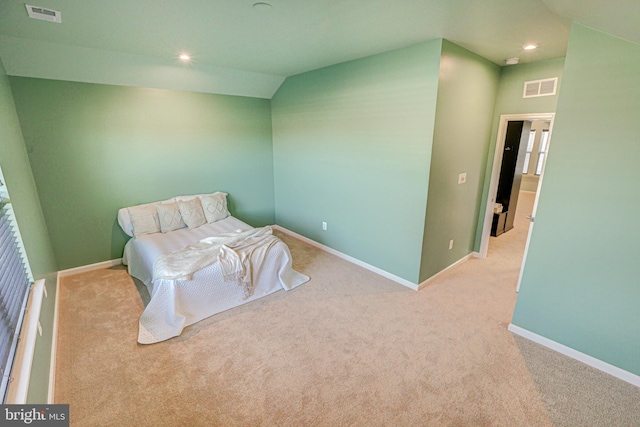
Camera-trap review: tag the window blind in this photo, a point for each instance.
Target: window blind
(15, 282)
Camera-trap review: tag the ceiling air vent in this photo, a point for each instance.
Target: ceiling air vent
(50, 15)
(544, 87)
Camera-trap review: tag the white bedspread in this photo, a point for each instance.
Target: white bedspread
(183, 263)
(177, 303)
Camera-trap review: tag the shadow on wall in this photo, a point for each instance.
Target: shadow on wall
(118, 239)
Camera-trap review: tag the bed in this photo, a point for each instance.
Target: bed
(165, 233)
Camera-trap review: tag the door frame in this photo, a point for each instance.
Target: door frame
(495, 177)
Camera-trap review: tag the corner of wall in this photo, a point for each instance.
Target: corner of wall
(466, 98)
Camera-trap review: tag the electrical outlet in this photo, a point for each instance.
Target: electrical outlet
(324, 226)
(450, 244)
(462, 178)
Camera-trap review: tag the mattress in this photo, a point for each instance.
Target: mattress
(176, 304)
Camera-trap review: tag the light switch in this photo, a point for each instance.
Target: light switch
(462, 178)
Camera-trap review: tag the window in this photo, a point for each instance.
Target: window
(540, 151)
(527, 156)
(544, 140)
(15, 282)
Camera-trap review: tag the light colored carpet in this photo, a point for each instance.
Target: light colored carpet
(348, 348)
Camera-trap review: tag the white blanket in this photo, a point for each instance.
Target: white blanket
(236, 266)
(177, 303)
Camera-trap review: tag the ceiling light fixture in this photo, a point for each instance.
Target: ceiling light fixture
(530, 46)
(184, 57)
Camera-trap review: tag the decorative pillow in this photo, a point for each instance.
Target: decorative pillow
(215, 206)
(170, 218)
(144, 219)
(192, 213)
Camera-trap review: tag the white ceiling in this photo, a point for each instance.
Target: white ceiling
(301, 35)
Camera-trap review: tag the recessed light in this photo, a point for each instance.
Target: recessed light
(262, 6)
(184, 57)
(530, 46)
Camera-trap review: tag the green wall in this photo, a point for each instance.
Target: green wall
(96, 148)
(22, 188)
(464, 115)
(580, 285)
(352, 147)
(509, 100)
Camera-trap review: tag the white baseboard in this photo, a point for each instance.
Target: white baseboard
(446, 270)
(351, 259)
(54, 346)
(91, 267)
(575, 354)
(54, 338)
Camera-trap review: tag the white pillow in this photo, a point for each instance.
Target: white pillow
(124, 218)
(192, 213)
(215, 206)
(144, 219)
(170, 218)
(187, 198)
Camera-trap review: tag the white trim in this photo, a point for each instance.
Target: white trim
(90, 267)
(575, 354)
(21, 371)
(446, 270)
(54, 346)
(351, 259)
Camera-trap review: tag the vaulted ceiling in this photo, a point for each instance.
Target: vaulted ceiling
(293, 36)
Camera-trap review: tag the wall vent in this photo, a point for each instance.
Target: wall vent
(544, 87)
(50, 15)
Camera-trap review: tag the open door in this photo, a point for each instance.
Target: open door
(495, 178)
(532, 218)
(512, 165)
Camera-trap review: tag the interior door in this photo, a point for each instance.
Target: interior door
(532, 218)
(511, 170)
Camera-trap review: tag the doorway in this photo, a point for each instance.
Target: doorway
(532, 162)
